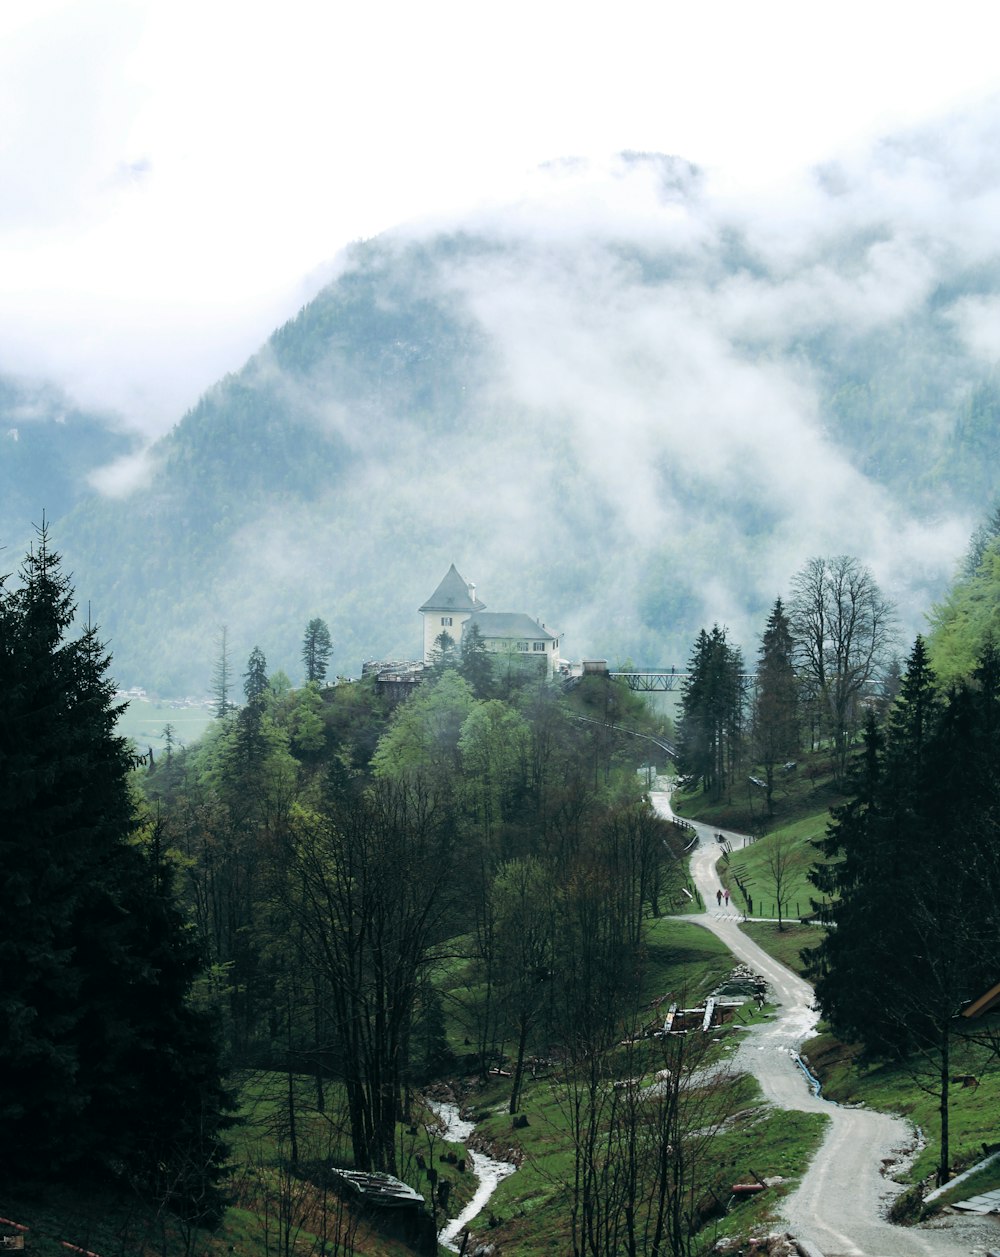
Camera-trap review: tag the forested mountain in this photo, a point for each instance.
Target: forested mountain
(624, 404)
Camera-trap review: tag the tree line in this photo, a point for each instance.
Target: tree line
(908, 873)
(288, 895)
(823, 660)
(911, 866)
(334, 845)
(335, 887)
(109, 1069)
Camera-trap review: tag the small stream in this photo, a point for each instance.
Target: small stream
(489, 1171)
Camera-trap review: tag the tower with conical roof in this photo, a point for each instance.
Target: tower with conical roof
(447, 609)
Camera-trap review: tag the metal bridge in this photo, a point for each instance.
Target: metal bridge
(660, 681)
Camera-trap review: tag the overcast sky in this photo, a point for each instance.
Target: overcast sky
(176, 178)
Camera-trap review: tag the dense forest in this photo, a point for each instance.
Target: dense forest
(333, 846)
(360, 895)
(284, 896)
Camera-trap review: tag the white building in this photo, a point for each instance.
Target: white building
(453, 608)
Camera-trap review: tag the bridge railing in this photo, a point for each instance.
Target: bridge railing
(661, 680)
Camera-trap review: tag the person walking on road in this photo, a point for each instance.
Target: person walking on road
(726, 894)
(718, 897)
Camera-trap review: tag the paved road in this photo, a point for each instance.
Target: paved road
(837, 1210)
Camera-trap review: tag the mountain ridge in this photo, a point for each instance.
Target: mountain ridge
(629, 411)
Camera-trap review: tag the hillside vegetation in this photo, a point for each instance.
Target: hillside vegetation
(791, 847)
(365, 901)
(469, 885)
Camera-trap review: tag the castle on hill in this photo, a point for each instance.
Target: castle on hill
(453, 608)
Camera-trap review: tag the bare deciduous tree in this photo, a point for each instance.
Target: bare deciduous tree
(369, 885)
(778, 857)
(644, 1165)
(522, 894)
(844, 631)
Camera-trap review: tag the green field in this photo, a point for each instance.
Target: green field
(145, 719)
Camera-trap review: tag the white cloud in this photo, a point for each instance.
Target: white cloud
(172, 171)
(178, 177)
(128, 474)
(978, 322)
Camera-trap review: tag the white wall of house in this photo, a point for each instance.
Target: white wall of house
(434, 626)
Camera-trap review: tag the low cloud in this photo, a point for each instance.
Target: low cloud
(978, 322)
(675, 400)
(127, 475)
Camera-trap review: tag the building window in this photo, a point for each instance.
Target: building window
(522, 645)
(446, 621)
(537, 645)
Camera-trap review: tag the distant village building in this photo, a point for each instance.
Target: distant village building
(453, 608)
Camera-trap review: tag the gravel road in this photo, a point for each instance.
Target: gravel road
(838, 1208)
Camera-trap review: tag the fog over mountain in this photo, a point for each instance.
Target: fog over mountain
(50, 448)
(626, 404)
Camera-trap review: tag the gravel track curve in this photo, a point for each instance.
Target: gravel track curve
(838, 1209)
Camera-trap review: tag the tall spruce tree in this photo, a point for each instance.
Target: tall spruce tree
(711, 723)
(95, 963)
(444, 653)
(255, 677)
(317, 647)
(776, 734)
(476, 664)
(222, 676)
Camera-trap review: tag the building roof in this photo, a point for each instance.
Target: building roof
(453, 594)
(985, 1004)
(508, 624)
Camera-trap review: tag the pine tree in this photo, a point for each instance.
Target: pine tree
(222, 676)
(95, 964)
(776, 736)
(476, 666)
(444, 653)
(912, 861)
(255, 677)
(880, 850)
(316, 650)
(711, 724)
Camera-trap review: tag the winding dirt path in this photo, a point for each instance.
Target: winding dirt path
(838, 1209)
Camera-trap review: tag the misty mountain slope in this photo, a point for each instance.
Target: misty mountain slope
(48, 449)
(620, 405)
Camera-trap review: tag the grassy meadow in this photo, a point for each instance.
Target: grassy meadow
(145, 719)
